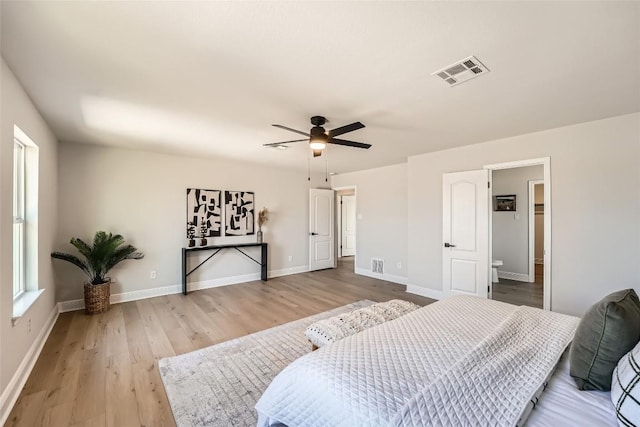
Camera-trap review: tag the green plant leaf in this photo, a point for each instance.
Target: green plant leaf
(73, 260)
(107, 251)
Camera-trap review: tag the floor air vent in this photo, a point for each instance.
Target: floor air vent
(462, 71)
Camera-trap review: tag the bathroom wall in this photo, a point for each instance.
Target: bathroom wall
(511, 228)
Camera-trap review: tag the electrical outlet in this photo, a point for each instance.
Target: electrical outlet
(290, 258)
(399, 265)
(381, 266)
(29, 326)
(374, 265)
(114, 280)
(153, 274)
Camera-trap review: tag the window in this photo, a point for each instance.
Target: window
(19, 235)
(25, 223)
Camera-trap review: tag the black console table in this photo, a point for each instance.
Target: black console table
(217, 248)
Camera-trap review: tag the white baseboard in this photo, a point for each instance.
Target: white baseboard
(11, 393)
(513, 276)
(224, 281)
(78, 304)
(289, 271)
(71, 305)
(388, 277)
(424, 292)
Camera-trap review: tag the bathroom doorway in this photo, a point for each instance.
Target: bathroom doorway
(346, 227)
(536, 231)
(518, 233)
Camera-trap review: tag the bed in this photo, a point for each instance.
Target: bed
(460, 361)
(562, 404)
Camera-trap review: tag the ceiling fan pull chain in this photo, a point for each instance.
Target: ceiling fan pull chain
(326, 164)
(308, 166)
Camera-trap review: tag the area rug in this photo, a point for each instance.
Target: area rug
(220, 385)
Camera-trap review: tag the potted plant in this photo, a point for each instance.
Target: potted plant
(107, 251)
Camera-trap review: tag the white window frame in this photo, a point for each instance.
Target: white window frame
(19, 223)
(26, 288)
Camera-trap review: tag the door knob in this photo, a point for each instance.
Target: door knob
(313, 234)
(449, 245)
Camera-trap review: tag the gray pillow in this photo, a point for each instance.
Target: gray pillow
(608, 331)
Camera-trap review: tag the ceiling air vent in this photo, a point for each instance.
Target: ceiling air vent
(462, 71)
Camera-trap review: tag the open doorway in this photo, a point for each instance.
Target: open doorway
(518, 232)
(536, 231)
(346, 227)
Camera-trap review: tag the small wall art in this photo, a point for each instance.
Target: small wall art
(504, 203)
(203, 211)
(239, 213)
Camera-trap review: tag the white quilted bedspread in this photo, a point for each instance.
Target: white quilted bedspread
(460, 361)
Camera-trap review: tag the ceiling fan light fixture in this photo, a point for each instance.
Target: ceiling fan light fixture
(318, 139)
(317, 144)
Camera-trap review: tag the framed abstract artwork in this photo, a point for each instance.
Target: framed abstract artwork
(239, 213)
(204, 212)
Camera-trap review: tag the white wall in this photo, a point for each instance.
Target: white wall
(142, 196)
(15, 340)
(511, 228)
(381, 222)
(595, 193)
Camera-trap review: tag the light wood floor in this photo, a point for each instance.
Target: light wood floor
(102, 370)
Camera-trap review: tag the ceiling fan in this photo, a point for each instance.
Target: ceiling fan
(318, 137)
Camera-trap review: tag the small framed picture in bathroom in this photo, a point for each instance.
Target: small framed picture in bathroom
(504, 203)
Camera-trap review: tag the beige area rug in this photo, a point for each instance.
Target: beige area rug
(220, 385)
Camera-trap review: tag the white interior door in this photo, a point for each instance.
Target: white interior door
(465, 233)
(321, 254)
(348, 222)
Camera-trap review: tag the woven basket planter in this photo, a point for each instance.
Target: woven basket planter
(97, 298)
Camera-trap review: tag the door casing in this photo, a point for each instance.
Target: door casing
(546, 163)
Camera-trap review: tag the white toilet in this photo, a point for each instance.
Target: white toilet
(494, 269)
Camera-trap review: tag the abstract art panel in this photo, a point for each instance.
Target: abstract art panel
(204, 205)
(238, 213)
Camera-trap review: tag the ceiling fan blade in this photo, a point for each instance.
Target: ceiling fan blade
(349, 143)
(292, 130)
(345, 129)
(317, 153)
(273, 144)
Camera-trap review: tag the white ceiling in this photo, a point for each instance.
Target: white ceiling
(209, 78)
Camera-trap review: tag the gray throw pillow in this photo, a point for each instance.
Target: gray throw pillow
(608, 331)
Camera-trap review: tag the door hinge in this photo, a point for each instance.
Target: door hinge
(340, 246)
(488, 184)
(488, 288)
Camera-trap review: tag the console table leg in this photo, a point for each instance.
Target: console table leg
(184, 272)
(263, 266)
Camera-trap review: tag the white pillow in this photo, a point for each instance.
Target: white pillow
(625, 388)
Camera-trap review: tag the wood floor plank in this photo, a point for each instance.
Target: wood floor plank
(26, 410)
(121, 406)
(90, 396)
(59, 415)
(101, 370)
(156, 336)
